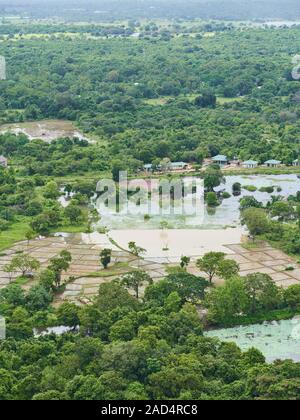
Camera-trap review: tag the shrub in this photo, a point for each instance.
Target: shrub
(212, 200)
(268, 190)
(250, 188)
(292, 296)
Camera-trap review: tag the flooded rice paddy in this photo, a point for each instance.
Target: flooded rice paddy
(226, 215)
(276, 340)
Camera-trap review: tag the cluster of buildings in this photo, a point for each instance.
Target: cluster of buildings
(3, 162)
(221, 160)
(248, 164)
(169, 167)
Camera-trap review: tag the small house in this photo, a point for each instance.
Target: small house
(296, 162)
(273, 163)
(3, 161)
(220, 160)
(178, 166)
(250, 164)
(148, 167)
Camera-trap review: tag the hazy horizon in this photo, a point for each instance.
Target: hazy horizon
(135, 9)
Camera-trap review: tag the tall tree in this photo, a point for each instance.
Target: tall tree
(135, 280)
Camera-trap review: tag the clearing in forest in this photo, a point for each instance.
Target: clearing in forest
(47, 130)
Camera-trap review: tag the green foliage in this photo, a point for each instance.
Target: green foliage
(68, 315)
(285, 237)
(60, 264)
(256, 221)
(207, 100)
(105, 257)
(262, 292)
(74, 214)
(51, 190)
(131, 349)
(227, 301)
(12, 295)
(22, 263)
(112, 295)
(225, 195)
(237, 188)
(189, 288)
(213, 177)
(212, 199)
(250, 188)
(228, 269)
(214, 263)
(107, 103)
(249, 299)
(38, 298)
(249, 202)
(283, 210)
(136, 250)
(292, 296)
(184, 262)
(47, 279)
(135, 280)
(268, 190)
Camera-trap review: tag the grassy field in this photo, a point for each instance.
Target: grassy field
(15, 233)
(112, 271)
(162, 100)
(221, 100)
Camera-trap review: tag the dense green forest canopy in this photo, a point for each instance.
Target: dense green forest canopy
(138, 95)
(126, 348)
(101, 10)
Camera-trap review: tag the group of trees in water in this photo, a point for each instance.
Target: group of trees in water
(278, 220)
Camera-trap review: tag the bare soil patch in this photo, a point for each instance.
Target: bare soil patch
(46, 130)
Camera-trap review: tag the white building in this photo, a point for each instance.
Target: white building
(220, 160)
(178, 166)
(250, 164)
(273, 163)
